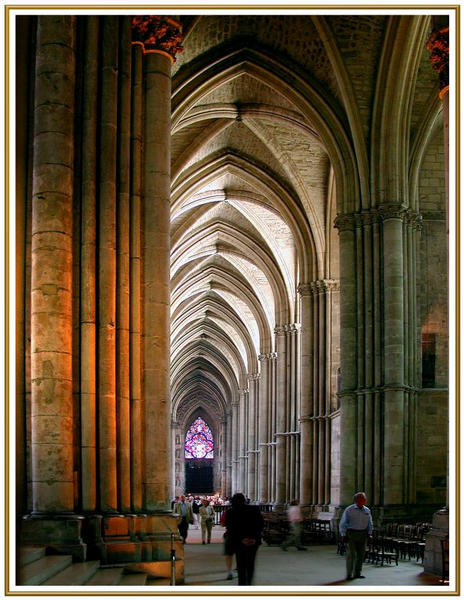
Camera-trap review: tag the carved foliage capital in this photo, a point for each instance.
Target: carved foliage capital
(157, 34)
(392, 211)
(344, 222)
(304, 289)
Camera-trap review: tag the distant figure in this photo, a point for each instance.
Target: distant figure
(207, 520)
(295, 520)
(355, 528)
(184, 513)
(196, 510)
(244, 524)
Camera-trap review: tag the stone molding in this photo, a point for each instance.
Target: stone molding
(289, 328)
(348, 222)
(268, 356)
(157, 34)
(433, 215)
(304, 289)
(319, 286)
(322, 286)
(438, 46)
(253, 376)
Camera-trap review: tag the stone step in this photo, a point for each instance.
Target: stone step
(160, 568)
(111, 576)
(158, 581)
(133, 579)
(35, 573)
(75, 574)
(28, 554)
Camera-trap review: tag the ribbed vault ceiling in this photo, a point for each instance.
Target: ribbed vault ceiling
(249, 208)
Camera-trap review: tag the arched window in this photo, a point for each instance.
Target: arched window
(199, 442)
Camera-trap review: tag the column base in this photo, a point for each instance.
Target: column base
(140, 542)
(60, 533)
(439, 531)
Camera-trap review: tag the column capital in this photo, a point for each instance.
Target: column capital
(344, 222)
(414, 219)
(322, 286)
(292, 327)
(304, 289)
(157, 34)
(438, 46)
(268, 356)
(253, 376)
(279, 330)
(392, 211)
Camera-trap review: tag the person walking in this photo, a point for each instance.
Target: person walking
(228, 549)
(183, 510)
(244, 525)
(295, 521)
(206, 521)
(355, 528)
(196, 511)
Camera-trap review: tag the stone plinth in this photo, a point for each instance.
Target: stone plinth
(162, 531)
(439, 531)
(61, 533)
(130, 539)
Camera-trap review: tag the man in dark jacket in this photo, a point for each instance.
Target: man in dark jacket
(244, 524)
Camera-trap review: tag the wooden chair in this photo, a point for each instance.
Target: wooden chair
(444, 561)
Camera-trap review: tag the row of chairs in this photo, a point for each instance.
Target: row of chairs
(393, 542)
(314, 530)
(407, 540)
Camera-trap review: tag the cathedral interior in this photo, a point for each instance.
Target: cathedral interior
(232, 270)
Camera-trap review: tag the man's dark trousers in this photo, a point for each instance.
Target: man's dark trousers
(355, 552)
(183, 528)
(245, 557)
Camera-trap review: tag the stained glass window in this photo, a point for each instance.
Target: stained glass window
(199, 442)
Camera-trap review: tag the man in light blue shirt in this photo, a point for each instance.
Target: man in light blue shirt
(355, 527)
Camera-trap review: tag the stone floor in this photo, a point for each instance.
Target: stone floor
(319, 566)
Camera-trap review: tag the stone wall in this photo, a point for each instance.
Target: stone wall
(431, 450)
(432, 281)
(335, 460)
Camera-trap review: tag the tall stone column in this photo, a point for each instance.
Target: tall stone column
(263, 412)
(107, 271)
(293, 394)
(242, 480)
(306, 411)
(135, 308)
(252, 434)
(51, 289)
(123, 270)
(88, 359)
(348, 365)
(281, 415)
(235, 444)
(394, 355)
(160, 38)
(228, 457)
(51, 313)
